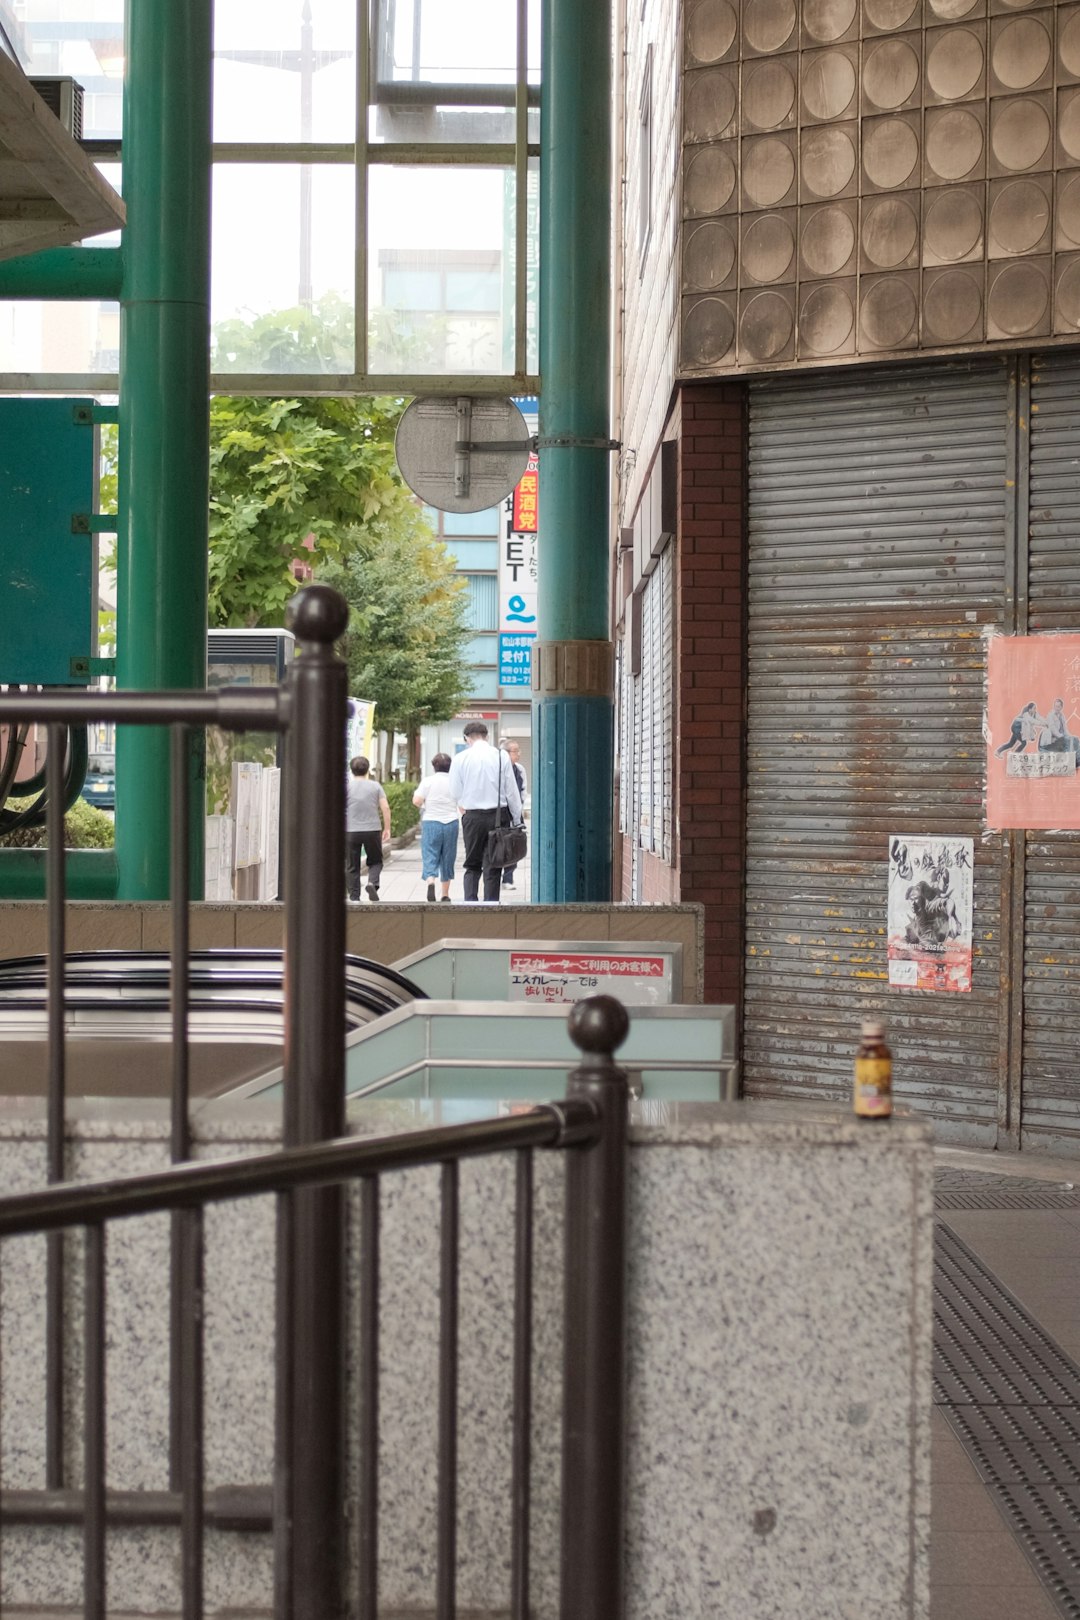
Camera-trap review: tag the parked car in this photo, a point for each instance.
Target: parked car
(99, 789)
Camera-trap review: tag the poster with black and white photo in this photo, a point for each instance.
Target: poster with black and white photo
(930, 912)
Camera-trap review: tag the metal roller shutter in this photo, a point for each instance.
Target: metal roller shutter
(1050, 1109)
(877, 528)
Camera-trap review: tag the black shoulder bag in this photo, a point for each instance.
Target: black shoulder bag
(506, 846)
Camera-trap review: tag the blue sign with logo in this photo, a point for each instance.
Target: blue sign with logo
(515, 659)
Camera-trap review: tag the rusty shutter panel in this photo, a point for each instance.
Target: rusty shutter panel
(1050, 1107)
(877, 522)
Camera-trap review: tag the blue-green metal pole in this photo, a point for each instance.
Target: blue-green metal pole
(573, 671)
(164, 407)
(67, 272)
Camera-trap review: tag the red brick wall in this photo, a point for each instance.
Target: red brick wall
(711, 691)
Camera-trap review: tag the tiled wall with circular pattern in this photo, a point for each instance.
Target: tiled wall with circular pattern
(868, 177)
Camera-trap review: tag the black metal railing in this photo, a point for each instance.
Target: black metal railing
(591, 1124)
(304, 1504)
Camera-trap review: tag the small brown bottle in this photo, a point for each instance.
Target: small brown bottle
(873, 1073)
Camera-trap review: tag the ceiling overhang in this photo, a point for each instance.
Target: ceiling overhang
(50, 191)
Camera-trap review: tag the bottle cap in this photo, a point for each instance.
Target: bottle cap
(873, 1026)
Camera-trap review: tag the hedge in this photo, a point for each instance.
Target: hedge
(85, 827)
(403, 813)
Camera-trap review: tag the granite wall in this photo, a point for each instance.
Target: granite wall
(779, 1340)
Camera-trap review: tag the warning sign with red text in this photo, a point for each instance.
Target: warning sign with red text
(554, 976)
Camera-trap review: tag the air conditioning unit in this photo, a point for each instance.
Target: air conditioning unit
(65, 97)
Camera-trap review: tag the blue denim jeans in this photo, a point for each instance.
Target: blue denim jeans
(438, 847)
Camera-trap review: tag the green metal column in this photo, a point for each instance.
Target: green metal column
(572, 708)
(164, 405)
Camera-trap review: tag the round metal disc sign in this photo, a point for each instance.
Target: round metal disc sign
(464, 454)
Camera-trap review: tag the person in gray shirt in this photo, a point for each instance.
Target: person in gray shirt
(367, 823)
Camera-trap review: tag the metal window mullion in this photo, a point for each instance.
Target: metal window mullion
(362, 160)
(521, 186)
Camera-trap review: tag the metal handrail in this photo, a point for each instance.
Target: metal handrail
(573, 1123)
(306, 1177)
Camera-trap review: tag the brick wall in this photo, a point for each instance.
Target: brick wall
(710, 699)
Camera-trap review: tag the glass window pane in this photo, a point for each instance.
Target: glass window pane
(284, 70)
(83, 39)
(453, 224)
(59, 337)
(472, 522)
(423, 42)
(282, 268)
(414, 121)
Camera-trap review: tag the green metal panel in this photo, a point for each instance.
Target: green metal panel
(47, 569)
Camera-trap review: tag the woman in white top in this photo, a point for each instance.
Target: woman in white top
(438, 826)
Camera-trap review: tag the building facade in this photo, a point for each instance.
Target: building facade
(848, 402)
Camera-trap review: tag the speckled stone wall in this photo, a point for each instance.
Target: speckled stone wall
(864, 178)
(778, 1386)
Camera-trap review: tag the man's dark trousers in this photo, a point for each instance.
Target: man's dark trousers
(358, 844)
(475, 826)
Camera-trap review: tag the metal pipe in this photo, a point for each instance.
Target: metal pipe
(55, 1129)
(594, 1373)
(233, 708)
(164, 391)
(65, 272)
(180, 1144)
(192, 1462)
(521, 1460)
(284, 1310)
(573, 671)
(446, 1528)
(94, 1579)
(314, 1109)
(242, 1508)
(555, 1125)
(368, 1367)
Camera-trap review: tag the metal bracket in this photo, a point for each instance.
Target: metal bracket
(87, 415)
(571, 441)
(94, 522)
(84, 669)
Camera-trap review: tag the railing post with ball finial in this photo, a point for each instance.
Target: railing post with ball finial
(594, 1377)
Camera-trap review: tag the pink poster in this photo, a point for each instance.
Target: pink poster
(1033, 726)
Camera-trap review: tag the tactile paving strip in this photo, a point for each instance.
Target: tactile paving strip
(1012, 1396)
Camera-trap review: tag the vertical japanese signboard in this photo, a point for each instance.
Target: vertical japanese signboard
(930, 912)
(517, 581)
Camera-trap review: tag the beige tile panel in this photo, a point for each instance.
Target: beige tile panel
(384, 933)
(23, 928)
(260, 927)
(553, 922)
(93, 927)
(466, 922)
(211, 927)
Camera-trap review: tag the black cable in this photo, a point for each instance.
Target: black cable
(76, 759)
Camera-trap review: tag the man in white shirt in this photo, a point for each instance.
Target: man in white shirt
(482, 782)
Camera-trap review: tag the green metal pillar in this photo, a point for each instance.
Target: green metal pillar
(164, 405)
(574, 663)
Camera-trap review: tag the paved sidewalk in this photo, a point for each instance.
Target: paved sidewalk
(402, 880)
(978, 1569)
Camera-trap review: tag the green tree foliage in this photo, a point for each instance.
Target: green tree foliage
(294, 479)
(407, 633)
(299, 341)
